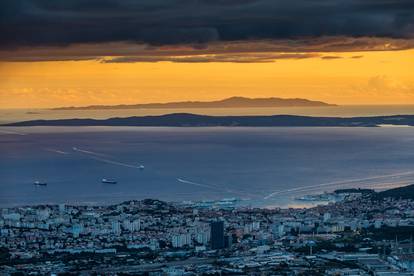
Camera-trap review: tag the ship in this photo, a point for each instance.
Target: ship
(39, 183)
(318, 197)
(108, 181)
(141, 167)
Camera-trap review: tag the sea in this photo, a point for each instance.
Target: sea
(259, 166)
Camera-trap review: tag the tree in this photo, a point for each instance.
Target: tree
(4, 255)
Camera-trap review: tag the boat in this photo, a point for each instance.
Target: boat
(318, 197)
(306, 198)
(109, 181)
(39, 183)
(141, 167)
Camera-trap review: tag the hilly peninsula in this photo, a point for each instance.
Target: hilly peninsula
(193, 120)
(233, 102)
(405, 192)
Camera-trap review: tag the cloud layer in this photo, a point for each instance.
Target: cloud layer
(214, 26)
(234, 58)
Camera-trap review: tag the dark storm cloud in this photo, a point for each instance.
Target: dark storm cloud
(233, 58)
(235, 51)
(197, 22)
(331, 57)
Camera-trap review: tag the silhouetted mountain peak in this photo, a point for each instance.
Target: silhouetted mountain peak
(232, 102)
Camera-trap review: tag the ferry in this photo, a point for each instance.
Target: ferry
(108, 181)
(39, 183)
(318, 197)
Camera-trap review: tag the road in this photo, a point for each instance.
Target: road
(148, 267)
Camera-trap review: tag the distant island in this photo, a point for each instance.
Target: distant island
(233, 102)
(193, 120)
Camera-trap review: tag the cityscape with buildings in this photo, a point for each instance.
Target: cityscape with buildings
(358, 235)
(207, 137)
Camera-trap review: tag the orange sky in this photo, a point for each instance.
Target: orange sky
(383, 77)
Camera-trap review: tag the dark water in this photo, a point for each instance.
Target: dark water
(264, 166)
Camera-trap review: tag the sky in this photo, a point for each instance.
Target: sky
(78, 52)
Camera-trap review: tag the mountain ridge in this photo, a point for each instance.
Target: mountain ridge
(403, 192)
(232, 102)
(194, 120)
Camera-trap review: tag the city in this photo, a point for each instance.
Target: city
(207, 137)
(359, 235)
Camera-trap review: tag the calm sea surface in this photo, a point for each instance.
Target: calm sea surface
(262, 166)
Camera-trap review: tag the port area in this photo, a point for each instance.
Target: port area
(335, 196)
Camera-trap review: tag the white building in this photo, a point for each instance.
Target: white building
(181, 240)
(43, 214)
(131, 226)
(203, 237)
(76, 230)
(116, 227)
(326, 217)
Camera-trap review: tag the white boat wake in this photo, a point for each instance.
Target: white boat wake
(198, 184)
(88, 152)
(57, 151)
(12, 132)
(98, 157)
(215, 187)
(345, 182)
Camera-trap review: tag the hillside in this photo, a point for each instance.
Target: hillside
(406, 192)
(233, 102)
(193, 120)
